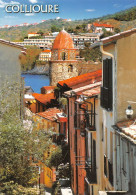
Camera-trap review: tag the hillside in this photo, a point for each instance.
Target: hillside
(18, 33)
(123, 20)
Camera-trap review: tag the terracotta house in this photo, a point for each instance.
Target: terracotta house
(82, 117)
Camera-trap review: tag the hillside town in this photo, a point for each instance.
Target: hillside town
(88, 116)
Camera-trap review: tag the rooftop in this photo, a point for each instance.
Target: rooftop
(49, 114)
(43, 98)
(114, 37)
(92, 77)
(128, 128)
(87, 90)
(63, 41)
(103, 25)
(46, 51)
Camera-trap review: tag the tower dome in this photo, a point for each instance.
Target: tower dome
(63, 41)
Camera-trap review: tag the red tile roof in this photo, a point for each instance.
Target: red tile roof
(48, 87)
(47, 50)
(82, 78)
(102, 25)
(43, 98)
(63, 41)
(50, 114)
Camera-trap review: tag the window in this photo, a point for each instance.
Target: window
(106, 89)
(70, 68)
(105, 165)
(63, 56)
(110, 167)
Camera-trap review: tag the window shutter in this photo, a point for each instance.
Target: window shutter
(106, 90)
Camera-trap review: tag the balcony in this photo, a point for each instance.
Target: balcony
(90, 173)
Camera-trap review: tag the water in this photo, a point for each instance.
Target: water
(36, 81)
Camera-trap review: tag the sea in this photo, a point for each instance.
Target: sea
(36, 81)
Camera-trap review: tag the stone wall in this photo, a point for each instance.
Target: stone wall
(61, 71)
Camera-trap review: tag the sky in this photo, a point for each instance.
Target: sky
(73, 9)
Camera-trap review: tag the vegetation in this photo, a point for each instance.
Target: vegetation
(21, 148)
(77, 26)
(55, 159)
(28, 61)
(127, 15)
(90, 54)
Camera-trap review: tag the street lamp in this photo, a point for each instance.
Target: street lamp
(129, 110)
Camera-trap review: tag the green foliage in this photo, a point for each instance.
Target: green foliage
(55, 159)
(10, 188)
(64, 171)
(54, 28)
(18, 145)
(91, 54)
(106, 34)
(116, 30)
(28, 61)
(40, 32)
(127, 15)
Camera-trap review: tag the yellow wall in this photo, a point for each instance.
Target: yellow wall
(45, 124)
(126, 74)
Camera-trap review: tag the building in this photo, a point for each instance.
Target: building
(116, 145)
(45, 55)
(83, 116)
(98, 28)
(47, 41)
(42, 43)
(73, 89)
(63, 63)
(43, 101)
(83, 38)
(10, 73)
(33, 35)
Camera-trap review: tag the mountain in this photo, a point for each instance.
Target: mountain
(123, 20)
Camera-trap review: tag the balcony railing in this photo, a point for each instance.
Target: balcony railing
(90, 173)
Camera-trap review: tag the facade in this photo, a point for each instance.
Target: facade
(78, 136)
(10, 72)
(47, 41)
(45, 55)
(41, 43)
(116, 140)
(82, 38)
(63, 59)
(83, 116)
(98, 28)
(33, 35)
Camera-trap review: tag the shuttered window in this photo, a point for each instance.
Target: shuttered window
(106, 89)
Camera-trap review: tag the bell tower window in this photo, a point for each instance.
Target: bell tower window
(70, 68)
(63, 56)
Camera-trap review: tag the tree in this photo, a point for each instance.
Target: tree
(28, 61)
(19, 146)
(91, 54)
(54, 28)
(117, 30)
(40, 32)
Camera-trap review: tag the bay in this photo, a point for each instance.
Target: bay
(36, 81)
